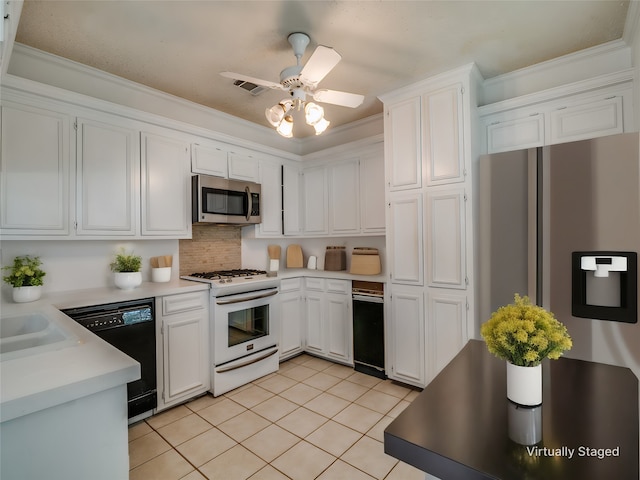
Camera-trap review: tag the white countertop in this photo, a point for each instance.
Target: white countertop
(76, 369)
(342, 275)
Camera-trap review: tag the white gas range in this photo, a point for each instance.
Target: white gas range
(243, 326)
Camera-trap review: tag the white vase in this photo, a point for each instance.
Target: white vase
(26, 294)
(127, 280)
(524, 384)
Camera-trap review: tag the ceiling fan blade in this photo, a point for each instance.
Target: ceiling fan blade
(335, 97)
(257, 81)
(321, 62)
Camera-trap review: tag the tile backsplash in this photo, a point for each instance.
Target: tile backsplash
(212, 247)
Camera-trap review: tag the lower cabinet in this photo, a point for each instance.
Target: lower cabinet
(291, 317)
(328, 318)
(406, 335)
(182, 323)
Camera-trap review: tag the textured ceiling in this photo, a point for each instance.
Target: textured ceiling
(179, 47)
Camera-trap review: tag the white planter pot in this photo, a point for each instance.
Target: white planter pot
(26, 294)
(524, 384)
(127, 280)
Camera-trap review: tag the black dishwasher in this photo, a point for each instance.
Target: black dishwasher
(368, 327)
(130, 327)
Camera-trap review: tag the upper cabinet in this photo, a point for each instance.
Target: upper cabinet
(562, 115)
(402, 143)
(224, 160)
(165, 186)
(107, 172)
(35, 162)
(341, 193)
(443, 147)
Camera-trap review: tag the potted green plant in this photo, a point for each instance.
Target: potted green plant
(26, 278)
(524, 334)
(126, 268)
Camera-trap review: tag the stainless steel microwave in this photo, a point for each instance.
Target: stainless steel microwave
(220, 200)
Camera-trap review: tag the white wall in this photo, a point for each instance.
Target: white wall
(81, 264)
(254, 250)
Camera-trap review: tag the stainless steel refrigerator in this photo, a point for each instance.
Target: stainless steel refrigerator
(561, 224)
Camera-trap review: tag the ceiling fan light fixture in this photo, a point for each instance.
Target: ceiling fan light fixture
(313, 113)
(321, 125)
(285, 128)
(276, 113)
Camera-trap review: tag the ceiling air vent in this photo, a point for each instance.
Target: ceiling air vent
(252, 88)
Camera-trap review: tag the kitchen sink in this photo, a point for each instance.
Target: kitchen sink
(31, 333)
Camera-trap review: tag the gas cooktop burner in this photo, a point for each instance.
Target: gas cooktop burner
(228, 274)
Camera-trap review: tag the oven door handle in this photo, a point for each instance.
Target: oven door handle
(246, 299)
(248, 362)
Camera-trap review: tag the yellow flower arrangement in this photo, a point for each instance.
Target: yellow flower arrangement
(524, 334)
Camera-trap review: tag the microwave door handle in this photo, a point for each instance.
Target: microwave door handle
(247, 192)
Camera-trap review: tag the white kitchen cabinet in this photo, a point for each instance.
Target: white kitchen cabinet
(515, 134)
(270, 200)
(244, 167)
(291, 317)
(315, 201)
(183, 347)
(344, 202)
(165, 186)
(209, 159)
(107, 173)
(403, 144)
(405, 238)
(314, 320)
(291, 196)
(446, 328)
(406, 360)
(372, 200)
(35, 171)
(443, 148)
(564, 114)
(329, 330)
(445, 245)
(588, 120)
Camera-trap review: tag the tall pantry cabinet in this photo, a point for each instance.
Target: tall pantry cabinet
(429, 146)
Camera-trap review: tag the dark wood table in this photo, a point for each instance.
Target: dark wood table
(458, 427)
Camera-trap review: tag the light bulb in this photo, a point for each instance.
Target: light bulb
(285, 128)
(313, 113)
(321, 125)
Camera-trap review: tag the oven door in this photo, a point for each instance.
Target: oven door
(244, 324)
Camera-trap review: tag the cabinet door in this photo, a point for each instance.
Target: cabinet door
(35, 171)
(209, 159)
(443, 145)
(446, 238)
(372, 200)
(338, 323)
(345, 197)
(185, 364)
(291, 200)
(166, 187)
(590, 120)
(516, 134)
(270, 200)
(316, 204)
(314, 314)
(446, 328)
(403, 157)
(405, 238)
(291, 323)
(244, 167)
(407, 335)
(107, 169)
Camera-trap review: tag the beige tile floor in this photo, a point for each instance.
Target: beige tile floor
(312, 419)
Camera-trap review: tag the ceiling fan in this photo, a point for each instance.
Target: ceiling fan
(300, 81)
